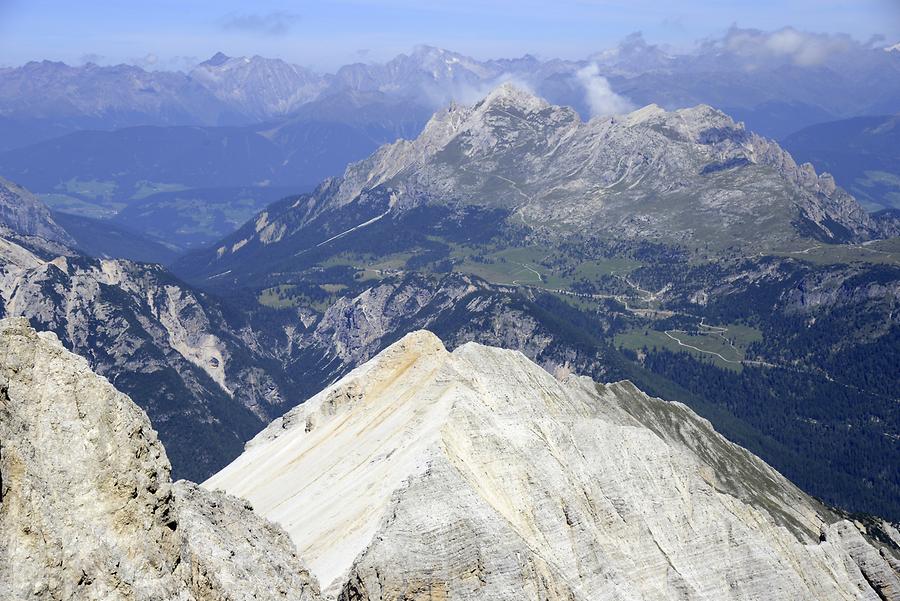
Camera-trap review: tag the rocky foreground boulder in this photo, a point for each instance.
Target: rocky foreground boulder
(87, 506)
(426, 474)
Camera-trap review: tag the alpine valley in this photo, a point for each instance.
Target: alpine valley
(674, 249)
(512, 351)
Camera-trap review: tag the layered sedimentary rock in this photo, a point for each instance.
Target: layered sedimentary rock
(477, 475)
(87, 506)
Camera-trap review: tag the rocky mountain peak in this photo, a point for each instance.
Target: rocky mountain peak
(436, 64)
(431, 56)
(644, 114)
(701, 124)
(261, 86)
(217, 60)
(477, 474)
(691, 177)
(632, 55)
(508, 95)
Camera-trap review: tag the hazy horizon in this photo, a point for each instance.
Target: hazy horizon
(172, 35)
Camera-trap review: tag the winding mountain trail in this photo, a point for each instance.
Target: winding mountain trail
(699, 350)
(534, 271)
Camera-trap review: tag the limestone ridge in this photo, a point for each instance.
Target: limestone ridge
(691, 176)
(544, 152)
(87, 507)
(477, 475)
(257, 86)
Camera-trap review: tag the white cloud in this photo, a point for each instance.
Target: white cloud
(471, 93)
(152, 62)
(600, 96)
(798, 47)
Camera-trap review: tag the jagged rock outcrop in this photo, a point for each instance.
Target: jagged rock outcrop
(87, 507)
(843, 286)
(477, 475)
(459, 307)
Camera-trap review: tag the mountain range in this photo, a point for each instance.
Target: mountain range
(620, 327)
(767, 325)
(93, 141)
(692, 177)
(609, 247)
(738, 73)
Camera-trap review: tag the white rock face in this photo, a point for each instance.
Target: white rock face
(476, 475)
(87, 508)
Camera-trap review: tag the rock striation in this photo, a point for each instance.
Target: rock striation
(474, 474)
(87, 506)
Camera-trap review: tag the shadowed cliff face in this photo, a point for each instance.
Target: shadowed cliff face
(206, 388)
(476, 474)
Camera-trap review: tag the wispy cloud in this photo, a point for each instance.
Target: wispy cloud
(798, 47)
(153, 62)
(274, 23)
(469, 93)
(600, 96)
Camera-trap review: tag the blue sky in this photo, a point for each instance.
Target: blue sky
(323, 35)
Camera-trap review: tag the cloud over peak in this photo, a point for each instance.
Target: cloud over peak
(797, 47)
(599, 94)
